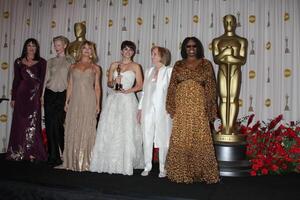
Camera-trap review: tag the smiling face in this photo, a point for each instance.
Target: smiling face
(59, 47)
(87, 50)
(127, 52)
(155, 56)
(31, 48)
(191, 48)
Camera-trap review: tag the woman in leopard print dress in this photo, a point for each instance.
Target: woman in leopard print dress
(192, 103)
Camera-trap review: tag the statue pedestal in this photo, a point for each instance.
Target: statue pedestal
(232, 159)
(3, 99)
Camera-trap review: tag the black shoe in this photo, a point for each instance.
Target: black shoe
(54, 163)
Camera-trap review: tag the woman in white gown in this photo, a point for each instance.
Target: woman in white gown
(118, 145)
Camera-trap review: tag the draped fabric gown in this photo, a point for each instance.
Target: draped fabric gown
(80, 131)
(191, 101)
(25, 142)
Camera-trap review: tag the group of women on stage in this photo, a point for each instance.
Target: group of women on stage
(173, 114)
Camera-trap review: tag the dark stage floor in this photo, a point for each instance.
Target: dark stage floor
(24, 180)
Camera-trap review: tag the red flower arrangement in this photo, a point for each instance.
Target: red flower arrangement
(274, 147)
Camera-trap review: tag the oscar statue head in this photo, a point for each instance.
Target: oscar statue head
(79, 29)
(229, 22)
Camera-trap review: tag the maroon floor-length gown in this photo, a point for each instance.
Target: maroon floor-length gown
(25, 140)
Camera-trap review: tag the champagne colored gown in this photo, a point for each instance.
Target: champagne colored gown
(80, 130)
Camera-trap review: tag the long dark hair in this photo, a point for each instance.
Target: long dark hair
(199, 46)
(37, 52)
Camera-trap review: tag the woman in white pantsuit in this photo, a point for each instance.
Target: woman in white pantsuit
(152, 114)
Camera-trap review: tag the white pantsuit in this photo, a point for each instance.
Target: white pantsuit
(156, 122)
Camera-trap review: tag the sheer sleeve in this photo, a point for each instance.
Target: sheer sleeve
(17, 79)
(211, 91)
(170, 102)
(47, 75)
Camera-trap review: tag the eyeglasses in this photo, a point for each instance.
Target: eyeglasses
(191, 46)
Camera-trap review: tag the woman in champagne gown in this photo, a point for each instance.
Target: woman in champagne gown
(25, 142)
(82, 107)
(118, 146)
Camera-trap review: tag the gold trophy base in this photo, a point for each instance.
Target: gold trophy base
(226, 138)
(231, 154)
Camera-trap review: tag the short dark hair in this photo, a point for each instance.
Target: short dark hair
(199, 47)
(24, 51)
(130, 45)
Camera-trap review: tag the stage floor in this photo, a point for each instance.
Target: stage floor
(25, 180)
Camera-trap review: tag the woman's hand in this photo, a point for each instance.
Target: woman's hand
(97, 110)
(124, 91)
(217, 124)
(66, 107)
(12, 104)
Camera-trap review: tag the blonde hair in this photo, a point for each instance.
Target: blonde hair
(93, 47)
(164, 53)
(63, 39)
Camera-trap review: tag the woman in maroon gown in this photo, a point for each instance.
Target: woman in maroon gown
(25, 142)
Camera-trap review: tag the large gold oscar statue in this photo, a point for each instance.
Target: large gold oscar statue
(79, 31)
(230, 53)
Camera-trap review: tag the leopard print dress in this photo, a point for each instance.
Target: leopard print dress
(191, 101)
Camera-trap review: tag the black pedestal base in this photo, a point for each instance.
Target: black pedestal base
(232, 159)
(3, 99)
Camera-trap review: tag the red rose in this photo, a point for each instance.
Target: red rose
(248, 152)
(255, 167)
(260, 163)
(275, 168)
(279, 138)
(264, 171)
(284, 166)
(268, 160)
(295, 150)
(244, 130)
(253, 173)
(288, 159)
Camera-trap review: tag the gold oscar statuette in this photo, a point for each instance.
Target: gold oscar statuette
(118, 86)
(230, 53)
(79, 31)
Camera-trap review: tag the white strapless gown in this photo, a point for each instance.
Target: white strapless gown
(118, 145)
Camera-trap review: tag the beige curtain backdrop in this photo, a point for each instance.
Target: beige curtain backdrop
(271, 76)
